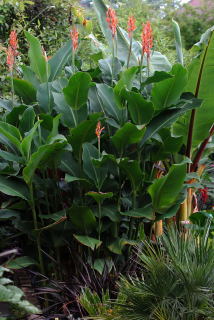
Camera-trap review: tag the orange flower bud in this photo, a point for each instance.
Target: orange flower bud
(147, 39)
(131, 26)
(74, 37)
(112, 21)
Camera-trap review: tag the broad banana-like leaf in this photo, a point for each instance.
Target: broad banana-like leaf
(200, 83)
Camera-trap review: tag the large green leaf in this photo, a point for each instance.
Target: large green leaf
(30, 76)
(108, 106)
(13, 117)
(141, 111)
(10, 156)
(97, 175)
(145, 212)
(41, 158)
(25, 90)
(21, 262)
(76, 93)
(118, 245)
(82, 218)
(110, 69)
(128, 134)
(132, 170)
(166, 190)
(167, 117)
(84, 132)
(125, 83)
(59, 60)
(167, 92)
(169, 144)
(88, 241)
(45, 97)
(27, 120)
(37, 59)
(178, 42)
(13, 187)
(27, 141)
(200, 83)
(69, 119)
(11, 133)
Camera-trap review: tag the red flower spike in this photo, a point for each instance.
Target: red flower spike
(112, 21)
(10, 58)
(74, 37)
(99, 130)
(131, 26)
(13, 40)
(147, 39)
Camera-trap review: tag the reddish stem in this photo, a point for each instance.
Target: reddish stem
(201, 150)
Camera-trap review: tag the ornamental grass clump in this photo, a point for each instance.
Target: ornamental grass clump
(176, 281)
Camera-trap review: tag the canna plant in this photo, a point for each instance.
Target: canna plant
(94, 160)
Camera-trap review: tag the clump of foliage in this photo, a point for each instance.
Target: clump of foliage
(14, 297)
(174, 281)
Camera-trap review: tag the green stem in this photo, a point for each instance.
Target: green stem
(131, 224)
(35, 223)
(99, 226)
(73, 59)
(12, 88)
(148, 66)
(99, 152)
(113, 56)
(141, 66)
(130, 51)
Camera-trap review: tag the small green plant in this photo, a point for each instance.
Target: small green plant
(176, 282)
(14, 296)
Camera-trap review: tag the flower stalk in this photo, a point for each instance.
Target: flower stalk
(131, 28)
(147, 44)
(112, 21)
(74, 34)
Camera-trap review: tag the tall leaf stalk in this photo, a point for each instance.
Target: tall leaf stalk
(35, 222)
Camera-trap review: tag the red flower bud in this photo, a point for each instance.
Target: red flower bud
(147, 39)
(131, 26)
(112, 20)
(74, 37)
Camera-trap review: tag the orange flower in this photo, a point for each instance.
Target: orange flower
(13, 42)
(112, 21)
(131, 26)
(74, 37)
(10, 58)
(99, 130)
(147, 39)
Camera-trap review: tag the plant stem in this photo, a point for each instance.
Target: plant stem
(130, 51)
(131, 224)
(182, 213)
(190, 135)
(159, 228)
(113, 56)
(201, 150)
(141, 65)
(98, 140)
(193, 113)
(99, 226)
(73, 59)
(12, 87)
(148, 66)
(35, 222)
